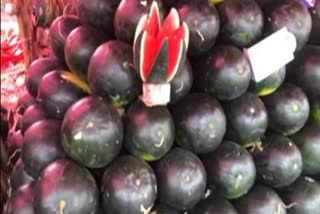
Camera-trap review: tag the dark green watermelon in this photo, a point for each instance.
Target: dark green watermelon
(315, 31)
(32, 114)
(288, 109)
(127, 17)
(224, 73)
(98, 13)
(149, 131)
(112, 75)
(57, 94)
(214, 205)
(260, 200)
(25, 100)
(92, 132)
(181, 179)
(231, 170)
(21, 201)
(181, 83)
(241, 22)
(65, 187)
(128, 186)
(200, 123)
(37, 70)
(163, 209)
(19, 176)
(302, 197)
(290, 14)
(204, 24)
(247, 119)
(278, 161)
(60, 29)
(79, 47)
(305, 70)
(39, 150)
(308, 141)
(269, 84)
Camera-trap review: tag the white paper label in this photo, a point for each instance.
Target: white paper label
(156, 94)
(271, 54)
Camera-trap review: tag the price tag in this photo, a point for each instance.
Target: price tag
(156, 94)
(271, 54)
(309, 3)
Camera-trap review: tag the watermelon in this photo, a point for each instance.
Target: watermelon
(247, 119)
(32, 114)
(214, 205)
(37, 69)
(128, 186)
(163, 209)
(181, 179)
(290, 14)
(315, 31)
(181, 83)
(112, 75)
(278, 161)
(21, 201)
(302, 197)
(241, 22)
(224, 73)
(39, 150)
(79, 47)
(92, 132)
(127, 17)
(204, 24)
(308, 141)
(57, 94)
(269, 84)
(19, 176)
(60, 29)
(288, 109)
(260, 200)
(200, 123)
(159, 49)
(231, 170)
(98, 13)
(65, 187)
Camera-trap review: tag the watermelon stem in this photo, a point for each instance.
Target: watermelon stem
(197, 30)
(238, 180)
(62, 205)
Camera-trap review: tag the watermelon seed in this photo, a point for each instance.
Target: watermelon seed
(62, 205)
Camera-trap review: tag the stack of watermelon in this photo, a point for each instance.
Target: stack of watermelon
(224, 143)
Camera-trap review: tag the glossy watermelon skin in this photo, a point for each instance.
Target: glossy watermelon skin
(111, 74)
(79, 47)
(308, 141)
(32, 114)
(21, 201)
(68, 188)
(247, 118)
(231, 170)
(224, 73)
(39, 150)
(290, 14)
(92, 132)
(60, 29)
(241, 22)
(19, 176)
(200, 123)
(204, 25)
(214, 205)
(304, 194)
(278, 161)
(181, 179)
(288, 109)
(150, 131)
(37, 70)
(57, 94)
(133, 177)
(260, 200)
